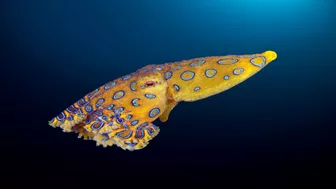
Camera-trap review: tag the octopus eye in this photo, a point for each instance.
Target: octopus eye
(149, 84)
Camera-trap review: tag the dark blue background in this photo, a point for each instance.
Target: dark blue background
(269, 128)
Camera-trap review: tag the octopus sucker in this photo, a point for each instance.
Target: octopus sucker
(121, 111)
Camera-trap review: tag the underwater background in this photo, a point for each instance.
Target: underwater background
(268, 129)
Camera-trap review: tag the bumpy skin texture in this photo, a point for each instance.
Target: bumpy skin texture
(121, 112)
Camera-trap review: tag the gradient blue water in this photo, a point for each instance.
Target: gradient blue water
(269, 125)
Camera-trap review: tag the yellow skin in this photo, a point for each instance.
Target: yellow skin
(121, 112)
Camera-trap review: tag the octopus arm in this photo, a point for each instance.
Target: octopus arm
(118, 113)
(170, 106)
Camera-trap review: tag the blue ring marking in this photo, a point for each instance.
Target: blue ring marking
(256, 64)
(115, 97)
(125, 126)
(120, 120)
(106, 137)
(143, 125)
(132, 87)
(195, 63)
(126, 137)
(88, 121)
(81, 102)
(135, 122)
(88, 108)
(223, 63)
(110, 107)
(93, 126)
(129, 117)
(79, 113)
(70, 118)
(226, 77)
(72, 109)
(208, 74)
(150, 96)
(142, 133)
(149, 131)
(168, 74)
(134, 143)
(52, 120)
(197, 88)
(119, 110)
(157, 67)
(61, 118)
(110, 123)
(100, 102)
(155, 127)
(154, 112)
(134, 102)
(178, 67)
(109, 85)
(185, 72)
(116, 114)
(238, 71)
(246, 56)
(105, 118)
(127, 77)
(176, 87)
(160, 67)
(93, 93)
(99, 113)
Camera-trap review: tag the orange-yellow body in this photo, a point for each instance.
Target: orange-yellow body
(121, 112)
